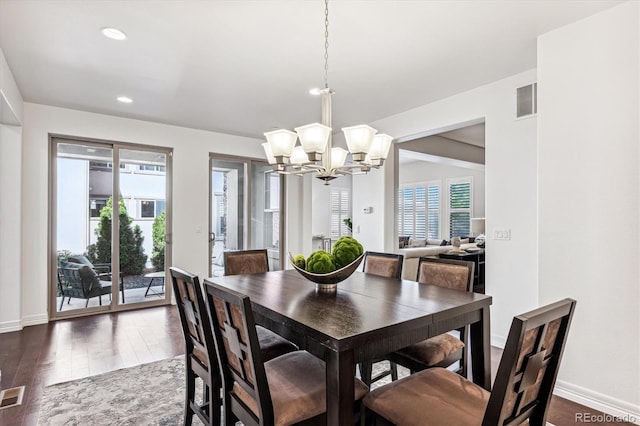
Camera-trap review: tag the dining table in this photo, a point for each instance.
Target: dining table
(367, 317)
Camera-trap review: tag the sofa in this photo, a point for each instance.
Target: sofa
(415, 249)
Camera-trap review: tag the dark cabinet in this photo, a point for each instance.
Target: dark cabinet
(476, 257)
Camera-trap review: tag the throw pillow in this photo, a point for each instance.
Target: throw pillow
(444, 243)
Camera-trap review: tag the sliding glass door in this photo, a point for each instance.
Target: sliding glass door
(98, 216)
(246, 206)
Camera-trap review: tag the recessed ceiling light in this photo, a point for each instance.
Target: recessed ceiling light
(125, 100)
(113, 33)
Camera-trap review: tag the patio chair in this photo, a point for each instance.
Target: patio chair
(103, 270)
(522, 390)
(287, 390)
(82, 282)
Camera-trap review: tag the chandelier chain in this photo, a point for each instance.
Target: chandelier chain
(326, 43)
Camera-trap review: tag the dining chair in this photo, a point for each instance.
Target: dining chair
(246, 262)
(384, 265)
(200, 353)
(444, 349)
(522, 390)
(287, 390)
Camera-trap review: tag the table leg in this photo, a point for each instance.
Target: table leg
(340, 387)
(481, 350)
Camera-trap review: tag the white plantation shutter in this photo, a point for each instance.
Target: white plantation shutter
(460, 196)
(340, 210)
(419, 210)
(433, 211)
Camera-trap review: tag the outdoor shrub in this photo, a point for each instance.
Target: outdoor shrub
(132, 257)
(158, 233)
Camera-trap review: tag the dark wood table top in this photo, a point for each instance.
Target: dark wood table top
(363, 305)
(367, 317)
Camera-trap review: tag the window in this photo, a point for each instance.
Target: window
(340, 210)
(151, 208)
(151, 168)
(460, 196)
(419, 210)
(96, 206)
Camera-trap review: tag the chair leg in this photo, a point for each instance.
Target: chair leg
(86, 305)
(100, 299)
(365, 372)
(189, 395)
(62, 302)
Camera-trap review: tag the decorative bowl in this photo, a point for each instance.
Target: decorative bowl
(329, 282)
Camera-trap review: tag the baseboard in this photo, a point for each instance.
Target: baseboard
(612, 406)
(9, 326)
(498, 341)
(35, 320)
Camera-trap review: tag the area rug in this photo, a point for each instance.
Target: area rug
(148, 394)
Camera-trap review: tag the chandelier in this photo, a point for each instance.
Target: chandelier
(316, 152)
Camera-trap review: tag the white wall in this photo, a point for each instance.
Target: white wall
(321, 203)
(423, 171)
(510, 179)
(190, 187)
(589, 200)
(10, 205)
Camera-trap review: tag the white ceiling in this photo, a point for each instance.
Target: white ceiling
(245, 67)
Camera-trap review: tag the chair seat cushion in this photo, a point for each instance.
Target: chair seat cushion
(297, 382)
(431, 397)
(432, 351)
(273, 345)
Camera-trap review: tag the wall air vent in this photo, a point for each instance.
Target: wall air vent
(527, 100)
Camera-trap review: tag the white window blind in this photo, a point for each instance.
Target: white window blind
(419, 210)
(460, 196)
(340, 210)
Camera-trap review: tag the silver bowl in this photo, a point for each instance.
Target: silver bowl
(329, 282)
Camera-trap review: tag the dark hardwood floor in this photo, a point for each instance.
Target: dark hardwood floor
(70, 349)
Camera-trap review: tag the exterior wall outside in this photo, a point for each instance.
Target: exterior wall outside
(589, 208)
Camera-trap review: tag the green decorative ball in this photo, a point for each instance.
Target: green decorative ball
(320, 262)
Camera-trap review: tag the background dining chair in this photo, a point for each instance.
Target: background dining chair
(246, 262)
(522, 390)
(442, 350)
(384, 265)
(200, 353)
(286, 390)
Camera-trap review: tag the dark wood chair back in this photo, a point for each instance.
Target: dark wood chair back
(383, 264)
(200, 355)
(246, 262)
(529, 365)
(448, 273)
(239, 357)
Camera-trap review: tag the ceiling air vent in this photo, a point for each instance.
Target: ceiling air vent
(527, 100)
